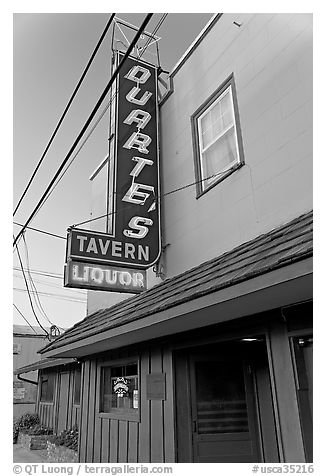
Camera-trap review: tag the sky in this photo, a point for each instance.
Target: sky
(50, 52)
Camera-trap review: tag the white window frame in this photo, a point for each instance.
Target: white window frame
(204, 184)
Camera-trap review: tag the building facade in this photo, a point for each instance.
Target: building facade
(26, 344)
(214, 362)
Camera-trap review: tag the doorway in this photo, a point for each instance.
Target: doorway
(224, 404)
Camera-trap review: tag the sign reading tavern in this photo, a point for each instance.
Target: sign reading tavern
(133, 239)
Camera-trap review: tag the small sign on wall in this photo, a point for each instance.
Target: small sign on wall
(17, 348)
(155, 386)
(18, 391)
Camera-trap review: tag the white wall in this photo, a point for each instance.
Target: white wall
(270, 56)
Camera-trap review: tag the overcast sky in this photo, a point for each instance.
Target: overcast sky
(49, 55)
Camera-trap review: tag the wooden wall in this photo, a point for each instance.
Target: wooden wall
(151, 439)
(48, 411)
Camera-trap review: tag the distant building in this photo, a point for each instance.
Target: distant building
(214, 362)
(26, 344)
(57, 391)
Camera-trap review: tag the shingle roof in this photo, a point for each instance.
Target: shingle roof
(26, 330)
(43, 364)
(281, 246)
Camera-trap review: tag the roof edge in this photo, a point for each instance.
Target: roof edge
(195, 43)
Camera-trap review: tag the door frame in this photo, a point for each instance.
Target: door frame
(263, 389)
(244, 359)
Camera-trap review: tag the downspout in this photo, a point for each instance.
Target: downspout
(26, 380)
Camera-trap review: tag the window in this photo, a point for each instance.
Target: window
(47, 388)
(77, 387)
(119, 390)
(216, 135)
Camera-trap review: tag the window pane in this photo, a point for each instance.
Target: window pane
(221, 400)
(217, 119)
(221, 155)
(119, 389)
(207, 131)
(226, 106)
(47, 388)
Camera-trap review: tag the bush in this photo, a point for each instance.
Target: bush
(67, 438)
(28, 420)
(39, 430)
(29, 423)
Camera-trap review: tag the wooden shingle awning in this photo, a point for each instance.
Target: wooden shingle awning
(43, 364)
(272, 270)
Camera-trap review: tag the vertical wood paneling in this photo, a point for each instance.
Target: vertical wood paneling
(78, 416)
(169, 436)
(114, 438)
(105, 438)
(56, 402)
(157, 414)
(40, 414)
(144, 426)
(133, 442)
(123, 442)
(98, 421)
(50, 415)
(70, 398)
(84, 412)
(287, 405)
(47, 414)
(80, 421)
(91, 411)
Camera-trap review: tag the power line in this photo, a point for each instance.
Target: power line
(84, 128)
(53, 295)
(41, 273)
(22, 315)
(65, 111)
(159, 24)
(28, 291)
(170, 192)
(40, 231)
(37, 298)
(46, 283)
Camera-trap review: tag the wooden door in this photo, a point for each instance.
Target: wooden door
(224, 427)
(63, 401)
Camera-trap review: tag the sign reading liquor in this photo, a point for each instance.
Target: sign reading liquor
(133, 237)
(104, 278)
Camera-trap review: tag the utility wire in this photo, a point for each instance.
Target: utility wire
(170, 192)
(41, 231)
(41, 273)
(53, 295)
(22, 315)
(28, 291)
(84, 128)
(57, 286)
(159, 24)
(65, 111)
(37, 298)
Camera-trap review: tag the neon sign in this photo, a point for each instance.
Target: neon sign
(133, 237)
(104, 278)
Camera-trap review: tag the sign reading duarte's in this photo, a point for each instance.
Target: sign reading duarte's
(133, 239)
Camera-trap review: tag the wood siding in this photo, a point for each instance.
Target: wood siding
(48, 411)
(151, 439)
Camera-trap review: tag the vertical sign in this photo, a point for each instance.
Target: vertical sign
(135, 208)
(133, 239)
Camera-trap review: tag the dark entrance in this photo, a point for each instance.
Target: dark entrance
(224, 405)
